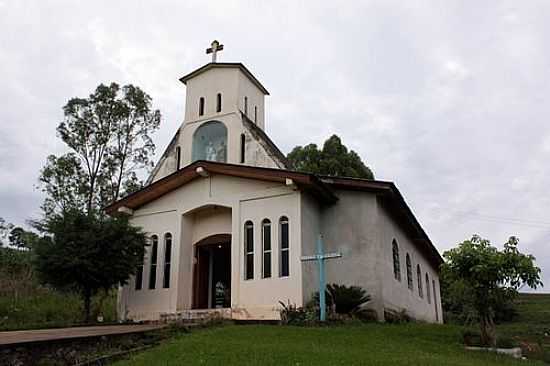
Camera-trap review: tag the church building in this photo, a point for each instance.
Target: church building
(231, 224)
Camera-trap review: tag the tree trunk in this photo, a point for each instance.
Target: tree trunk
(87, 297)
(488, 331)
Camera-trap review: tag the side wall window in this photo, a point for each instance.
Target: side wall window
(266, 248)
(248, 250)
(419, 280)
(396, 263)
(409, 272)
(246, 106)
(153, 266)
(178, 158)
(167, 259)
(435, 302)
(243, 141)
(201, 106)
(139, 277)
(255, 114)
(428, 289)
(284, 245)
(219, 102)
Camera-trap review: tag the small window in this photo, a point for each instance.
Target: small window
(243, 141)
(178, 158)
(419, 281)
(435, 302)
(266, 248)
(246, 106)
(248, 250)
(201, 106)
(255, 114)
(153, 266)
(428, 289)
(219, 102)
(139, 277)
(284, 245)
(167, 260)
(396, 264)
(409, 272)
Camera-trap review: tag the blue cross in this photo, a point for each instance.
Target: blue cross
(321, 257)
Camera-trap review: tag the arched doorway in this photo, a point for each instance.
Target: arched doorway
(212, 272)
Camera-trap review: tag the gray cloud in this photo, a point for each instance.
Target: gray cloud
(448, 99)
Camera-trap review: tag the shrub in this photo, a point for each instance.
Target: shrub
(292, 314)
(396, 317)
(343, 299)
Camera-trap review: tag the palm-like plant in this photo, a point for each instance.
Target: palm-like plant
(344, 299)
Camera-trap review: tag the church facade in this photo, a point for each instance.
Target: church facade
(229, 220)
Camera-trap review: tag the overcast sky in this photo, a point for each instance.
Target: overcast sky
(450, 100)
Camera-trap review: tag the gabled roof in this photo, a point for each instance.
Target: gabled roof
(321, 187)
(225, 65)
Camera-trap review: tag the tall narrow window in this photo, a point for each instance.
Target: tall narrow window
(419, 280)
(246, 106)
(255, 114)
(428, 289)
(219, 102)
(153, 266)
(167, 259)
(248, 250)
(435, 302)
(266, 248)
(201, 106)
(243, 138)
(178, 158)
(409, 272)
(284, 246)
(396, 264)
(139, 277)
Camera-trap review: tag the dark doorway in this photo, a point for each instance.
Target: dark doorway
(212, 273)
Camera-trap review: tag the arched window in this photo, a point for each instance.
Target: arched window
(153, 265)
(266, 248)
(139, 277)
(428, 289)
(284, 247)
(409, 272)
(255, 114)
(435, 302)
(219, 102)
(396, 263)
(178, 158)
(210, 142)
(246, 106)
(419, 280)
(201, 106)
(167, 259)
(248, 250)
(243, 140)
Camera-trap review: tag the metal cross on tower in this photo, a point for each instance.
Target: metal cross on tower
(321, 257)
(215, 47)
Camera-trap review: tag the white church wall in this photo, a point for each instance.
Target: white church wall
(310, 217)
(396, 294)
(255, 98)
(350, 227)
(211, 221)
(258, 298)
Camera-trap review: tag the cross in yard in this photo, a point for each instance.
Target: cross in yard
(215, 47)
(321, 257)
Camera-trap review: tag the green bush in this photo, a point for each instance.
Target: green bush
(342, 299)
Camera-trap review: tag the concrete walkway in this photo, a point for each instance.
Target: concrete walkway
(44, 335)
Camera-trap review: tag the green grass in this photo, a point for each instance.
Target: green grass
(533, 320)
(48, 309)
(368, 344)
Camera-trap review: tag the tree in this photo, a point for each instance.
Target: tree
(109, 137)
(22, 239)
(488, 277)
(333, 160)
(5, 228)
(86, 253)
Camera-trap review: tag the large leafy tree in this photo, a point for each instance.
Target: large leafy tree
(487, 277)
(109, 137)
(87, 253)
(333, 159)
(5, 228)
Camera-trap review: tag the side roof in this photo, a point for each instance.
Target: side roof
(225, 65)
(321, 187)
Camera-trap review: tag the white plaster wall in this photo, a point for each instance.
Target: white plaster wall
(259, 297)
(210, 221)
(310, 218)
(256, 98)
(396, 294)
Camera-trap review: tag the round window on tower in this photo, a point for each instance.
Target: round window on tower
(210, 142)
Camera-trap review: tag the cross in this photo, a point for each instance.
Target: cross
(321, 257)
(215, 47)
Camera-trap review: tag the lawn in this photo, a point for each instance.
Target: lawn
(368, 344)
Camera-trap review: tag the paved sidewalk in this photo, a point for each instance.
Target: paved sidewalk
(41, 335)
